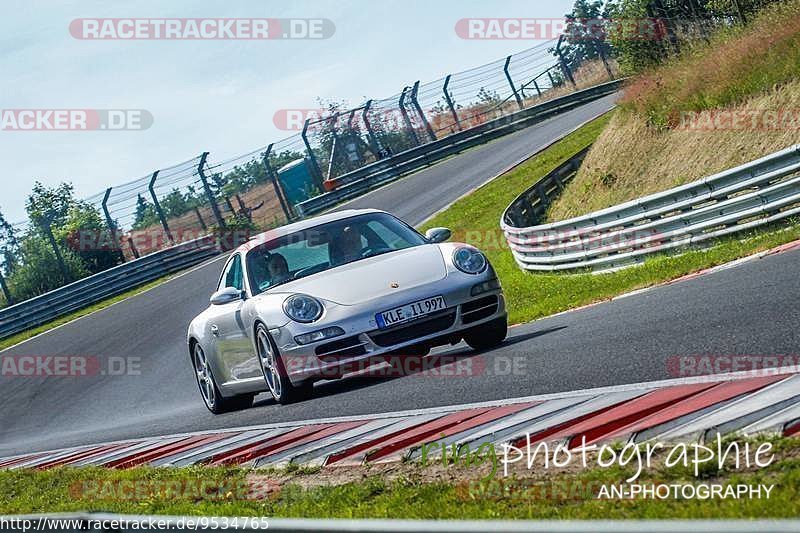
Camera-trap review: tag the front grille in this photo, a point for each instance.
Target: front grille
(341, 348)
(479, 309)
(414, 330)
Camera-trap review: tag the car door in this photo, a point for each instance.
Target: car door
(229, 331)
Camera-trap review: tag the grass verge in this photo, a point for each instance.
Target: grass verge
(475, 219)
(401, 490)
(30, 333)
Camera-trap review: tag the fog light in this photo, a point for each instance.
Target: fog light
(320, 335)
(486, 286)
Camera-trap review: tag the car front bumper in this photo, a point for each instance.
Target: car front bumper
(363, 341)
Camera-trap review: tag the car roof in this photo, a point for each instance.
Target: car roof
(302, 225)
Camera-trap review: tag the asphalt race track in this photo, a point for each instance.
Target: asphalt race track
(751, 309)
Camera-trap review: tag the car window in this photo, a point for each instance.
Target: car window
(233, 275)
(327, 246)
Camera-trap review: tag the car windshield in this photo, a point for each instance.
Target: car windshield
(327, 246)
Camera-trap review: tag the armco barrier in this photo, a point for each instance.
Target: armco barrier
(369, 177)
(112, 282)
(754, 194)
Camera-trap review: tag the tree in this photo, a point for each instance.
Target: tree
(39, 271)
(145, 214)
(586, 33)
(49, 205)
(9, 246)
(175, 204)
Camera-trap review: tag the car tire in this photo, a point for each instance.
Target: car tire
(274, 371)
(212, 397)
(487, 335)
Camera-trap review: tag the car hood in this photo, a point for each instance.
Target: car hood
(372, 278)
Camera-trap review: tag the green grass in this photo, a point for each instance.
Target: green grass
(735, 64)
(224, 493)
(30, 333)
(476, 218)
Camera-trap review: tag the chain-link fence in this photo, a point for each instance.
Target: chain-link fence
(261, 188)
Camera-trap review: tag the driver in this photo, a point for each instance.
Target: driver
(278, 268)
(349, 245)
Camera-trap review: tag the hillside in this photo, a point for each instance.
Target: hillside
(718, 105)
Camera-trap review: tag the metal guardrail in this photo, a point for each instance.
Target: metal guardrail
(90, 290)
(751, 195)
(358, 182)
(108, 522)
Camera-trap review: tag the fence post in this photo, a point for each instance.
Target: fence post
(536, 85)
(739, 9)
(134, 251)
(511, 83)
(599, 47)
(157, 206)
(273, 177)
(50, 237)
(214, 207)
(373, 141)
(406, 119)
(422, 116)
(6, 292)
(315, 168)
(563, 62)
(200, 218)
(450, 102)
(112, 227)
(552, 81)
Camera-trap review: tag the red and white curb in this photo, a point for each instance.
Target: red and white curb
(685, 409)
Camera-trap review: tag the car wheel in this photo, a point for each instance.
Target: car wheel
(487, 335)
(212, 397)
(275, 373)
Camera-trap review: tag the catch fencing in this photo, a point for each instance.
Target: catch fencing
(203, 195)
(745, 197)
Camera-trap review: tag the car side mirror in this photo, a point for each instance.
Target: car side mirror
(436, 235)
(226, 296)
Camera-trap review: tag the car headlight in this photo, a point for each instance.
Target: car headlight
(469, 260)
(302, 308)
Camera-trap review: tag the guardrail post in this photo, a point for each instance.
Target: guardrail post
(511, 83)
(406, 119)
(214, 207)
(112, 227)
(373, 141)
(563, 62)
(157, 206)
(315, 168)
(422, 116)
(6, 292)
(273, 177)
(449, 101)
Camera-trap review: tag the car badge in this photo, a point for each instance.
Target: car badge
(394, 285)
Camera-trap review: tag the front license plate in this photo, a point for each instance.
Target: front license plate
(408, 312)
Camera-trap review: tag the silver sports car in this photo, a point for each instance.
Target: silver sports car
(312, 300)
